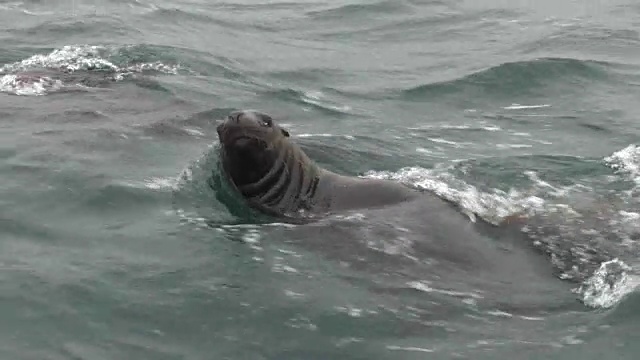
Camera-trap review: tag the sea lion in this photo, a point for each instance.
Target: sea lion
(276, 177)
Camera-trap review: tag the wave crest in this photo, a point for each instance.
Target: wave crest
(586, 238)
(28, 85)
(513, 78)
(44, 73)
(608, 285)
(626, 161)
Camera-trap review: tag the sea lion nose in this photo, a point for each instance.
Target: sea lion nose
(235, 116)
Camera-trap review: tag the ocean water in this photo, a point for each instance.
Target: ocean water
(118, 239)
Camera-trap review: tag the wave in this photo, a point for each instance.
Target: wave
(517, 78)
(316, 100)
(79, 8)
(86, 65)
(174, 14)
(191, 18)
(590, 239)
(75, 27)
(408, 21)
(359, 9)
(581, 36)
(29, 85)
(117, 196)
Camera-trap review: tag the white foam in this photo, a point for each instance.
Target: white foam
(604, 288)
(153, 183)
(83, 57)
(194, 132)
(443, 141)
(531, 318)
(488, 127)
(351, 311)
(493, 207)
(513, 146)
(626, 161)
(155, 66)
(423, 150)
(294, 295)
(409, 348)
(608, 285)
(521, 107)
(441, 126)
(422, 286)
(252, 236)
(500, 313)
(28, 85)
(307, 135)
(68, 59)
(156, 183)
(283, 268)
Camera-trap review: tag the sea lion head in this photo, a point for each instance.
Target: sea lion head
(250, 145)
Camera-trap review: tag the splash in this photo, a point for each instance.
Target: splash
(626, 161)
(608, 285)
(493, 207)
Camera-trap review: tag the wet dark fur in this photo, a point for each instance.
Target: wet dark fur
(276, 177)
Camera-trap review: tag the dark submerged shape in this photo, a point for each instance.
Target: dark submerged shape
(276, 177)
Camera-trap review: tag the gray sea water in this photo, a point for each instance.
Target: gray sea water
(118, 239)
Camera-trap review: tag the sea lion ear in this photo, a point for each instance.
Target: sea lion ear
(284, 132)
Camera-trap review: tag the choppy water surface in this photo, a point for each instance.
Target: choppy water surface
(119, 240)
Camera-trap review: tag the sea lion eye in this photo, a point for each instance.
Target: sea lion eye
(267, 121)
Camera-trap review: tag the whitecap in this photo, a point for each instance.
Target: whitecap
(626, 161)
(69, 59)
(492, 207)
(28, 85)
(608, 285)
